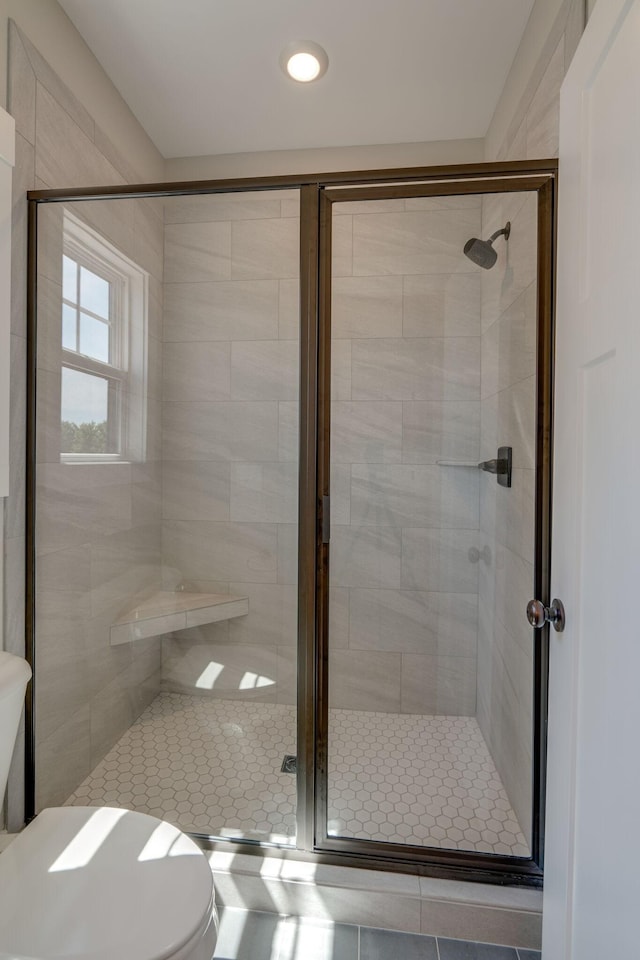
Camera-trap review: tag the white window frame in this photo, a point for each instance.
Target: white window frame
(127, 369)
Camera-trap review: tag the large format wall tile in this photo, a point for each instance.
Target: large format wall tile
(264, 370)
(21, 93)
(196, 490)
(288, 430)
(272, 617)
(414, 339)
(261, 249)
(220, 431)
(221, 551)
(434, 430)
(197, 371)
(439, 560)
(414, 496)
(98, 526)
(439, 685)
(231, 671)
(60, 659)
(195, 252)
(441, 305)
(64, 758)
(264, 492)
(366, 432)
(223, 310)
(509, 345)
(365, 557)
(413, 242)
(431, 368)
(287, 552)
(288, 311)
(221, 206)
(64, 152)
(516, 267)
(366, 307)
(508, 416)
(365, 682)
(410, 621)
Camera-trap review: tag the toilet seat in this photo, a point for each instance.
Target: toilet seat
(101, 883)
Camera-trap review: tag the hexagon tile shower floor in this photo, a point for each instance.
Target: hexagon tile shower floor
(213, 766)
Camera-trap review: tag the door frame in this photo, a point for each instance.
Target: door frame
(317, 193)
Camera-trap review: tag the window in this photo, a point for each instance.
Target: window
(104, 349)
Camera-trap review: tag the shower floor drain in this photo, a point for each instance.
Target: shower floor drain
(288, 764)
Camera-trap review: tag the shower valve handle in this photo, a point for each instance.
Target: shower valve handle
(538, 614)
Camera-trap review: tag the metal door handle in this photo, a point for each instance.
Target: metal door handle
(538, 614)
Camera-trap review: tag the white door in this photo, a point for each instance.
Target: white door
(592, 890)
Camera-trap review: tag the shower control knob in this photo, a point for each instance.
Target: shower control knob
(538, 614)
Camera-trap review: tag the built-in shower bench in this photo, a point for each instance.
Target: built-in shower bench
(166, 611)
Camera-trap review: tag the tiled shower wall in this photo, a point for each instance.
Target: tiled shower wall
(406, 360)
(230, 437)
(98, 526)
(98, 532)
(508, 414)
(505, 643)
(406, 392)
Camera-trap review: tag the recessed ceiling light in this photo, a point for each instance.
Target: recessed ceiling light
(303, 60)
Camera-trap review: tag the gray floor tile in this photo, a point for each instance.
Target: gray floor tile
(247, 935)
(391, 945)
(302, 938)
(252, 935)
(529, 954)
(467, 950)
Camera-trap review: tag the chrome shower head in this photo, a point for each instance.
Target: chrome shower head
(481, 252)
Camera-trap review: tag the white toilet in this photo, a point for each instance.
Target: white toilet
(97, 883)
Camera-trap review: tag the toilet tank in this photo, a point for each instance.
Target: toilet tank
(15, 674)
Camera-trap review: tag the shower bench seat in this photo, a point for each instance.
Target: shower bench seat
(166, 611)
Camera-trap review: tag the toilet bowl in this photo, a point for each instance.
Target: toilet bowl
(98, 883)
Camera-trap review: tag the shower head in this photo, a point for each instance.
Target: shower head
(481, 251)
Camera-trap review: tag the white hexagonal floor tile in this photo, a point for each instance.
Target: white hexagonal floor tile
(213, 766)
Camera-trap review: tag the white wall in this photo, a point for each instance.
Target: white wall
(325, 160)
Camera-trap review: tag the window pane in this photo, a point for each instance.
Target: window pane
(94, 338)
(94, 293)
(69, 333)
(84, 413)
(69, 279)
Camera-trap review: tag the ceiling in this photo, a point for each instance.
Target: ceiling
(202, 76)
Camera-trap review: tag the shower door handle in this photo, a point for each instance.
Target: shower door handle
(538, 614)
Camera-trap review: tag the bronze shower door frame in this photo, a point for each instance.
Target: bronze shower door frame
(318, 193)
(314, 680)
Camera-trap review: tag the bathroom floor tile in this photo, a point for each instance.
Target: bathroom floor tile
(246, 935)
(212, 766)
(391, 945)
(467, 950)
(251, 935)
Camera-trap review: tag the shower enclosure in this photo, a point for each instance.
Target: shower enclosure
(289, 497)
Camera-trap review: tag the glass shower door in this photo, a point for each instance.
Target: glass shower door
(431, 559)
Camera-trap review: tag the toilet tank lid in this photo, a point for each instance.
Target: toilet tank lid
(14, 672)
(94, 883)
